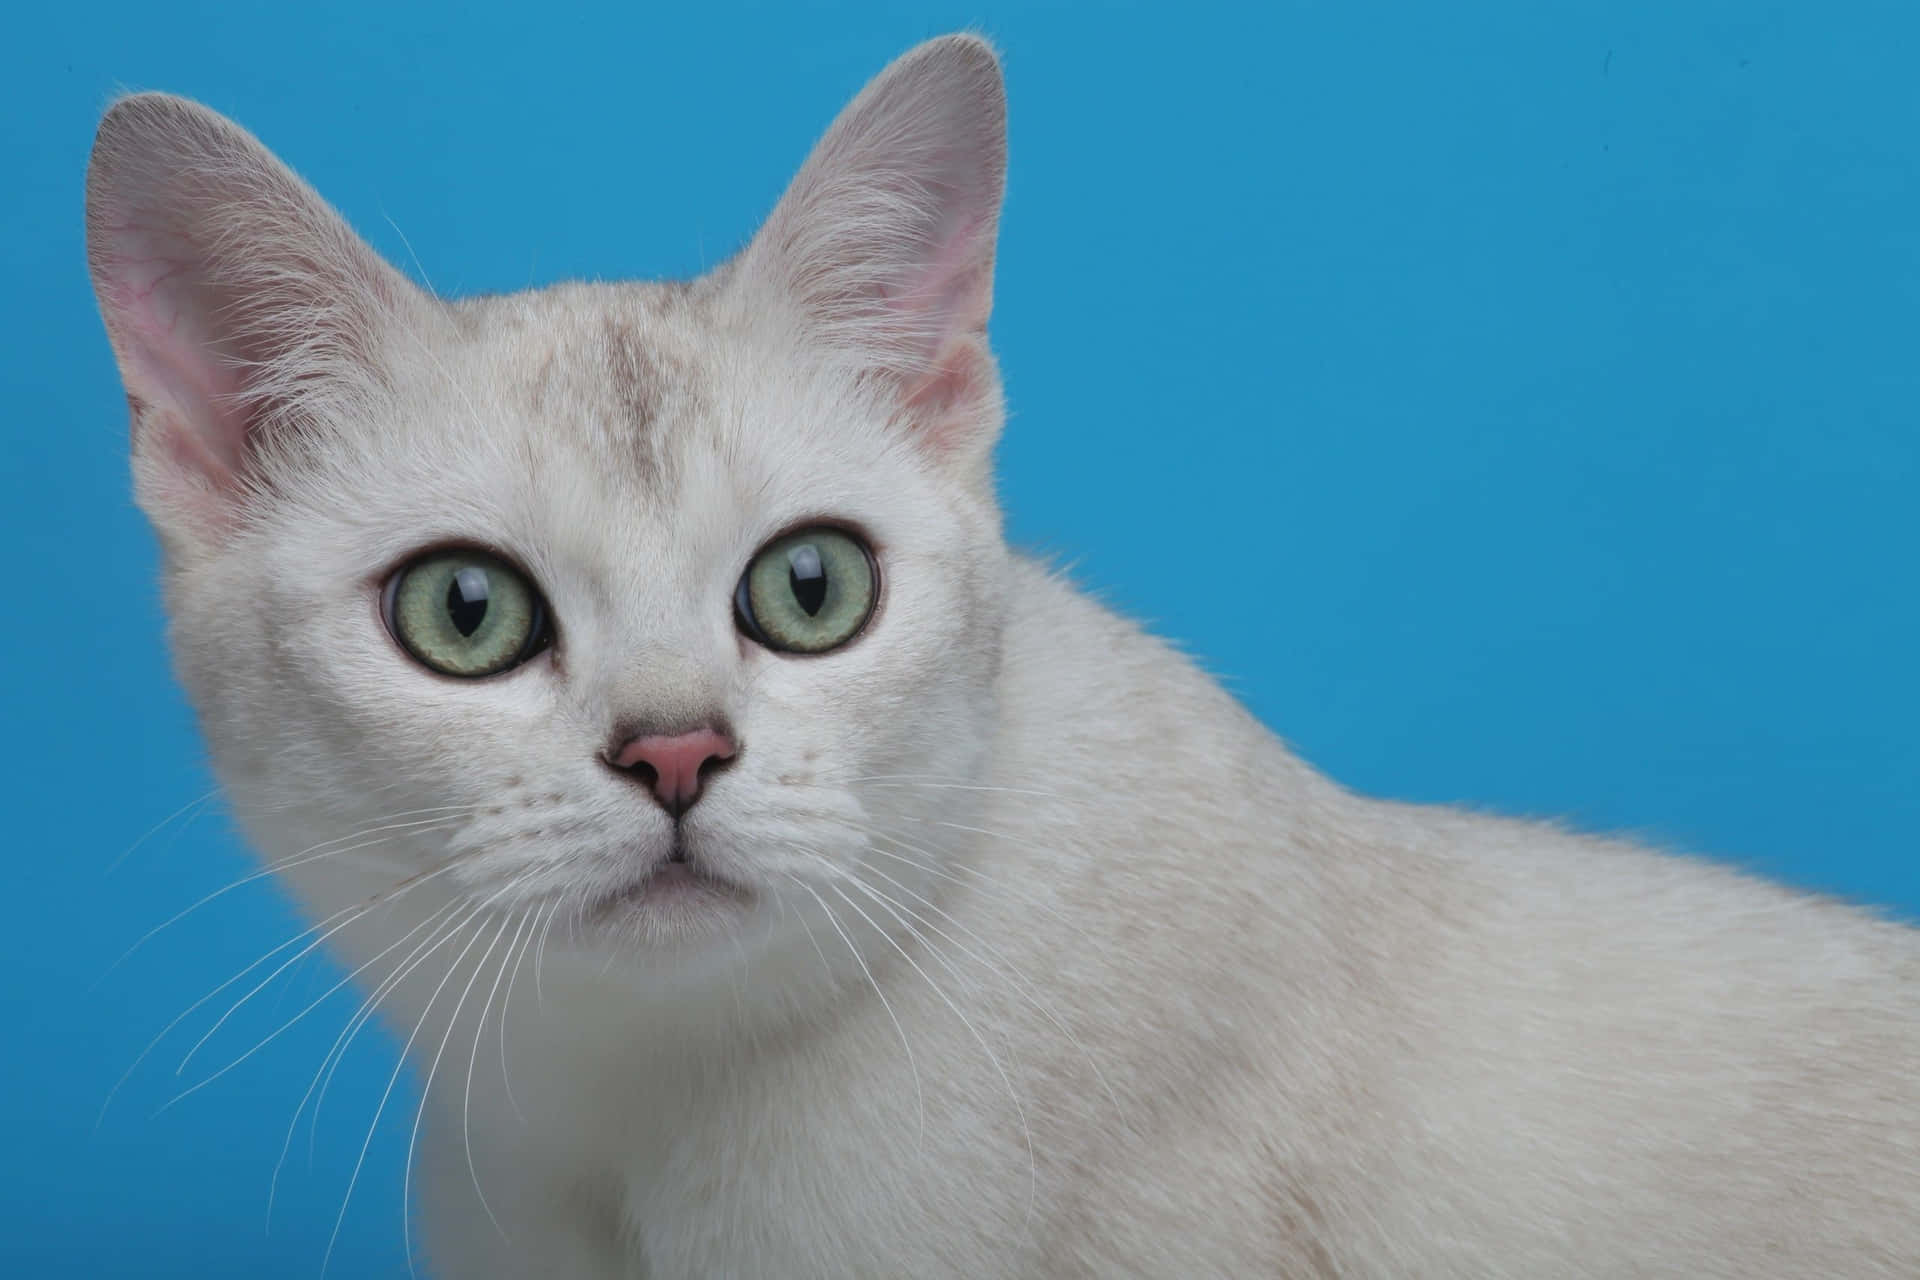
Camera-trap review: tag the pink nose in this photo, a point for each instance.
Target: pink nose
(675, 765)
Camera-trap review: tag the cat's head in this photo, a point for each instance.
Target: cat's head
(657, 605)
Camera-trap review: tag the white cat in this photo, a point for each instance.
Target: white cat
(775, 875)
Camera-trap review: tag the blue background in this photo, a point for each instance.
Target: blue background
(1516, 403)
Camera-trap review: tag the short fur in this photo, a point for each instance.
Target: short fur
(1057, 963)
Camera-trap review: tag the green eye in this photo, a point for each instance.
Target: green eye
(807, 592)
(466, 613)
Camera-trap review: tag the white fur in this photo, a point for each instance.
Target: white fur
(1060, 964)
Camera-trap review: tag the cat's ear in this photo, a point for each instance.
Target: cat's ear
(236, 300)
(885, 239)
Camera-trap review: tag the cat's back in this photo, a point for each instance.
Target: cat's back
(1658, 1063)
(1447, 1038)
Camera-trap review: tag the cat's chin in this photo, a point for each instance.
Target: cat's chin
(675, 902)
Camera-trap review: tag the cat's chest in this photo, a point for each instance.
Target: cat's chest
(857, 1160)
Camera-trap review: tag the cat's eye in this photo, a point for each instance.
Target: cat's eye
(808, 592)
(466, 613)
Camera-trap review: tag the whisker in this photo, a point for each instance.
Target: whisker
(977, 881)
(195, 805)
(315, 854)
(1033, 1177)
(187, 1012)
(426, 1093)
(1012, 976)
(403, 889)
(392, 822)
(919, 1095)
(370, 1007)
(380, 1109)
(276, 1033)
(479, 1031)
(980, 879)
(826, 964)
(909, 780)
(540, 957)
(440, 931)
(983, 831)
(354, 912)
(506, 1006)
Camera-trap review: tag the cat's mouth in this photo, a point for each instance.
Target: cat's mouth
(677, 884)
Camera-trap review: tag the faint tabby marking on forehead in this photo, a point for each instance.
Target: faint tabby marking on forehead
(540, 385)
(635, 374)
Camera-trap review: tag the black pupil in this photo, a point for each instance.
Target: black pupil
(808, 577)
(467, 599)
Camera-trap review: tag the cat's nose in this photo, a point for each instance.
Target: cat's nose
(675, 766)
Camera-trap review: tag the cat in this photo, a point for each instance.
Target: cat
(637, 676)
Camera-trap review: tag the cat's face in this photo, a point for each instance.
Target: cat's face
(652, 608)
(632, 493)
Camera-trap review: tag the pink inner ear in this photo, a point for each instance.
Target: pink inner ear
(186, 479)
(949, 292)
(946, 399)
(184, 392)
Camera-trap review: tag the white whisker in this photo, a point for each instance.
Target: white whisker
(426, 1094)
(1012, 976)
(440, 931)
(187, 1012)
(506, 1006)
(1033, 1181)
(316, 853)
(379, 1110)
(263, 983)
(194, 805)
(920, 1097)
(908, 780)
(540, 958)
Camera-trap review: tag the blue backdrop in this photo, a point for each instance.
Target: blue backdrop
(1516, 403)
